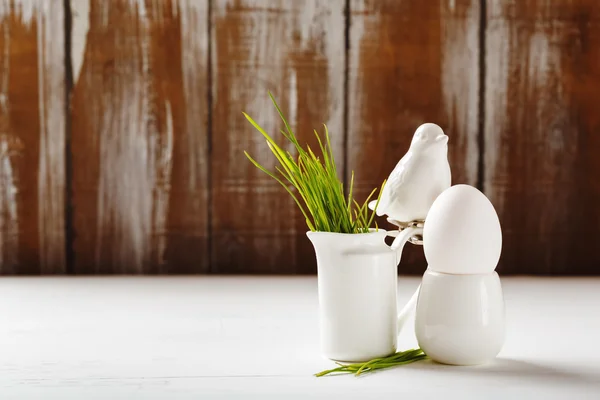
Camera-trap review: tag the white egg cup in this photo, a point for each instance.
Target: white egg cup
(460, 318)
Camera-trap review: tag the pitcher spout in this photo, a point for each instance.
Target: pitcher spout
(328, 241)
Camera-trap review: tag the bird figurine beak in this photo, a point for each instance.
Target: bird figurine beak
(442, 138)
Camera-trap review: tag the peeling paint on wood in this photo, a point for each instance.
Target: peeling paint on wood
(460, 85)
(9, 219)
(296, 50)
(541, 141)
(32, 120)
(51, 175)
(411, 63)
(152, 181)
(80, 11)
(187, 249)
(137, 169)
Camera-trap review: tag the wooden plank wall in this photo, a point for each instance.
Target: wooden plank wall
(542, 124)
(121, 134)
(140, 137)
(32, 138)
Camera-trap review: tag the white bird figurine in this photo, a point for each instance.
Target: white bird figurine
(419, 177)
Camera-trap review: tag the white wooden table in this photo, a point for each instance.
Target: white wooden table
(246, 337)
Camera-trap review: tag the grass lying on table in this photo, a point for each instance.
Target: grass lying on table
(394, 360)
(319, 192)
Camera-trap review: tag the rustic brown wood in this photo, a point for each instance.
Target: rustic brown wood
(139, 145)
(541, 133)
(410, 63)
(296, 50)
(32, 117)
(155, 189)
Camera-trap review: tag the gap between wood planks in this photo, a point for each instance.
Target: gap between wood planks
(69, 236)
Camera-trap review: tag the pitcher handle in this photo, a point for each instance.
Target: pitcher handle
(402, 237)
(398, 245)
(408, 311)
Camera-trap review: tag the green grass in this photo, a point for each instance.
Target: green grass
(393, 360)
(319, 193)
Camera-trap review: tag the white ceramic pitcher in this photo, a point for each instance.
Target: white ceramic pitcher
(357, 277)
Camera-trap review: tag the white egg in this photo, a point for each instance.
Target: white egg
(462, 233)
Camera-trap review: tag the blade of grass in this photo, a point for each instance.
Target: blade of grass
(266, 171)
(376, 204)
(393, 360)
(314, 177)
